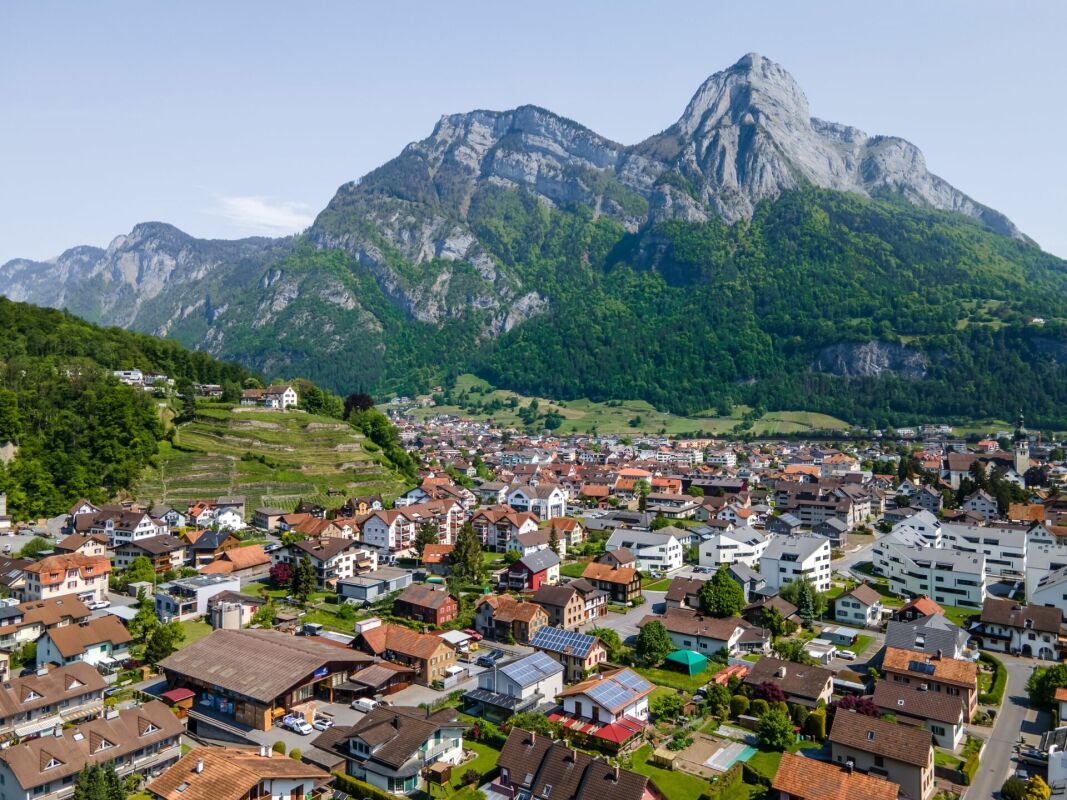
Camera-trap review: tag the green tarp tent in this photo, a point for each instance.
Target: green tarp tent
(689, 662)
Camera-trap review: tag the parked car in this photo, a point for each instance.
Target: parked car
(301, 726)
(322, 723)
(489, 658)
(847, 655)
(96, 605)
(289, 719)
(365, 704)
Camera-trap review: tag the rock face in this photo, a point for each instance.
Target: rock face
(410, 235)
(870, 360)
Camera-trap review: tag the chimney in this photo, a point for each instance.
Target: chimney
(937, 657)
(616, 778)
(533, 738)
(263, 751)
(199, 765)
(849, 766)
(396, 721)
(270, 752)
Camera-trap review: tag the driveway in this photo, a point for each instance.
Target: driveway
(1015, 719)
(626, 624)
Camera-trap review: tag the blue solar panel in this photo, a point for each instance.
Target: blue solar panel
(631, 680)
(530, 669)
(558, 640)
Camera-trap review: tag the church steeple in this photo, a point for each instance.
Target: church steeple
(1021, 454)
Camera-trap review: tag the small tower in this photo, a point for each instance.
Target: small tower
(1022, 448)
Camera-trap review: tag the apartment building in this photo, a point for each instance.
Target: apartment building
(790, 558)
(743, 545)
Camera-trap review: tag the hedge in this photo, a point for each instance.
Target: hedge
(725, 786)
(969, 768)
(1000, 681)
(360, 789)
(753, 776)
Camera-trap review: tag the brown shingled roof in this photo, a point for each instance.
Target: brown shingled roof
(72, 640)
(402, 640)
(228, 773)
(875, 735)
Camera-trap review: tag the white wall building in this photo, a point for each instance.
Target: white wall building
(949, 577)
(1004, 548)
(789, 558)
(654, 551)
(738, 546)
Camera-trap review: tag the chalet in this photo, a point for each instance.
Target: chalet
(903, 754)
(430, 657)
(951, 676)
(579, 653)
(166, 553)
(437, 558)
(860, 605)
(623, 584)
(572, 604)
(207, 545)
(802, 684)
(569, 529)
(424, 603)
(333, 559)
(503, 617)
(1027, 630)
(615, 703)
(531, 572)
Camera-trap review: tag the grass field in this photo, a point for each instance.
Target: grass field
(678, 680)
(273, 458)
(486, 760)
(627, 416)
(194, 631)
(673, 785)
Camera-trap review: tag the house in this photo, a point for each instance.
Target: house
(930, 635)
(169, 516)
(83, 577)
(232, 610)
(187, 598)
(27, 622)
(101, 642)
(424, 603)
(801, 778)
(267, 518)
(166, 553)
(623, 584)
(833, 528)
(1008, 627)
(86, 544)
(231, 773)
(533, 541)
(751, 581)
(1003, 546)
(572, 604)
(617, 700)
(654, 551)
(497, 525)
(503, 617)
(915, 609)
(276, 397)
(903, 754)
(389, 531)
(569, 529)
(544, 501)
(531, 572)
(436, 558)
(47, 699)
(369, 587)
(789, 558)
(246, 562)
(981, 502)
(145, 739)
(579, 653)
(684, 593)
(429, 656)
(523, 684)
(207, 545)
(861, 605)
(333, 558)
(392, 746)
(691, 630)
(943, 715)
(784, 525)
(949, 576)
(802, 684)
(938, 673)
(119, 525)
(360, 506)
(534, 766)
(738, 546)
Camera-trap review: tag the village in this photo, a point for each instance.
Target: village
(645, 617)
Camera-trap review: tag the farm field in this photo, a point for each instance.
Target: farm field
(273, 458)
(626, 416)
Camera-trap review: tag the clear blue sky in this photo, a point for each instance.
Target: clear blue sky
(237, 118)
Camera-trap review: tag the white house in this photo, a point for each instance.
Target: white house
(738, 546)
(980, 502)
(389, 531)
(860, 606)
(121, 527)
(608, 697)
(691, 630)
(654, 551)
(530, 542)
(520, 685)
(789, 558)
(333, 558)
(950, 578)
(99, 641)
(1008, 627)
(545, 500)
(924, 525)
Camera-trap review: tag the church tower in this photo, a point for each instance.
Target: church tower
(1022, 448)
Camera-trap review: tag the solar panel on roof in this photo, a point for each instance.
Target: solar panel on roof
(922, 666)
(561, 641)
(631, 680)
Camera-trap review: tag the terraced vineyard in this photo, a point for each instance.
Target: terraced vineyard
(273, 458)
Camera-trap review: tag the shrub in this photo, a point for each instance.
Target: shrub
(758, 707)
(738, 705)
(278, 747)
(775, 730)
(815, 724)
(782, 707)
(295, 754)
(1013, 789)
(969, 768)
(999, 684)
(471, 776)
(800, 715)
(358, 788)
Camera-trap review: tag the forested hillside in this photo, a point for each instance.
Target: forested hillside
(79, 432)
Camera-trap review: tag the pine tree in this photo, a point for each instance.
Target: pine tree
(116, 790)
(426, 534)
(303, 582)
(467, 555)
(806, 604)
(553, 540)
(91, 784)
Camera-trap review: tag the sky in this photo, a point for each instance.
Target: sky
(242, 118)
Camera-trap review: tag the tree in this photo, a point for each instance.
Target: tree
(145, 621)
(357, 401)
(1043, 683)
(612, 642)
(771, 619)
(92, 784)
(666, 707)
(141, 571)
(116, 789)
(1037, 789)
(792, 592)
(758, 707)
(532, 722)
(861, 705)
(815, 726)
(467, 563)
(769, 691)
(426, 534)
(792, 650)
(281, 574)
(643, 489)
(659, 522)
(718, 698)
(694, 491)
(738, 705)
(722, 596)
(302, 584)
(1013, 789)
(553, 539)
(653, 642)
(33, 548)
(806, 604)
(266, 615)
(775, 730)
(163, 641)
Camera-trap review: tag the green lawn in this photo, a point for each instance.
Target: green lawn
(766, 761)
(678, 680)
(673, 785)
(657, 586)
(485, 762)
(194, 631)
(960, 615)
(859, 647)
(943, 758)
(573, 570)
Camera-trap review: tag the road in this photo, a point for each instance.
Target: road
(1015, 719)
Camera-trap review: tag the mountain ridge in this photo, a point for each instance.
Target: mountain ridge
(475, 245)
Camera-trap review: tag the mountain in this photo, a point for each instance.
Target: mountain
(749, 253)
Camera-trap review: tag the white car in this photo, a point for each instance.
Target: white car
(846, 655)
(364, 704)
(301, 726)
(96, 605)
(322, 723)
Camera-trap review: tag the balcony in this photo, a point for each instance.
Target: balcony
(445, 745)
